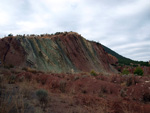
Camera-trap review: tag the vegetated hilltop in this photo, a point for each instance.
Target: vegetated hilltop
(128, 64)
(123, 60)
(61, 52)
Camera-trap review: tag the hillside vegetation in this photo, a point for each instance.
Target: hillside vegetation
(123, 60)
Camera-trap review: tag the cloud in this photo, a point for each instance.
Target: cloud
(122, 25)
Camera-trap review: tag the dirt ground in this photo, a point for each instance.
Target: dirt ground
(73, 93)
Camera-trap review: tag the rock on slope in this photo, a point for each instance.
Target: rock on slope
(62, 52)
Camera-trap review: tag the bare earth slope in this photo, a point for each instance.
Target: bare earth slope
(63, 52)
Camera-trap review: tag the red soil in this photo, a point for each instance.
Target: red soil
(112, 94)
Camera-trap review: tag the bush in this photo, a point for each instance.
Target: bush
(129, 81)
(93, 73)
(132, 80)
(146, 97)
(42, 97)
(138, 71)
(12, 79)
(1, 80)
(125, 72)
(8, 66)
(62, 86)
(10, 35)
(42, 79)
(21, 78)
(28, 76)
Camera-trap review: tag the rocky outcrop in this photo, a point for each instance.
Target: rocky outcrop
(62, 52)
(11, 52)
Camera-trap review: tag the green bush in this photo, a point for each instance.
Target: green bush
(125, 71)
(42, 97)
(10, 35)
(138, 71)
(93, 73)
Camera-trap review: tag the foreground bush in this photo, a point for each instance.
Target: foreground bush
(42, 97)
(138, 71)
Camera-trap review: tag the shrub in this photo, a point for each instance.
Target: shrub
(8, 66)
(62, 86)
(12, 79)
(28, 76)
(1, 81)
(42, 79)
(132, 80)
(146, 97)
(21, 78)
(138, 71)
(123, 92)
(113, 78)
(42, 97)
(125, 71)
(28, 69)
(93, 73)
(104, 89)
(10, 35)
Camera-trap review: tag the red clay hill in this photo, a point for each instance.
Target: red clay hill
(62, 52)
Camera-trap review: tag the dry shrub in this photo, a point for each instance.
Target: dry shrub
(10, 103)
(104, 88)
(62, 86)
(28, 76)
(5, 104)
(127, 108)
(42, 97)
(1, 80)
(123, 92)
(102, 77)
(15, 71)
(31, 70)
(55, 84)
(114, 78)
(131, 108)
(131, 80)
(77, 109)
(21, 78)
(103, 108)
(12, 79)
(146, 97)
(5, 72)
(42, 79)
(25, 90)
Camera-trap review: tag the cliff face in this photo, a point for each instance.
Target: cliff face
(64, 52)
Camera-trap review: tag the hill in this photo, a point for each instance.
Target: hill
(62, 52)
(123, 60)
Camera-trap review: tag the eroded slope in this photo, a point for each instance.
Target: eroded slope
(63, 52)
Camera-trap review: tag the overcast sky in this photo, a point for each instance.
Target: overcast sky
(122, 25)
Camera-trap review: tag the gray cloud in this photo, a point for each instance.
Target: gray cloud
(122, 25)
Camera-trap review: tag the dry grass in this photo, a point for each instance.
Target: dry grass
(11, 103)
(103, 108)
(67, 93)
